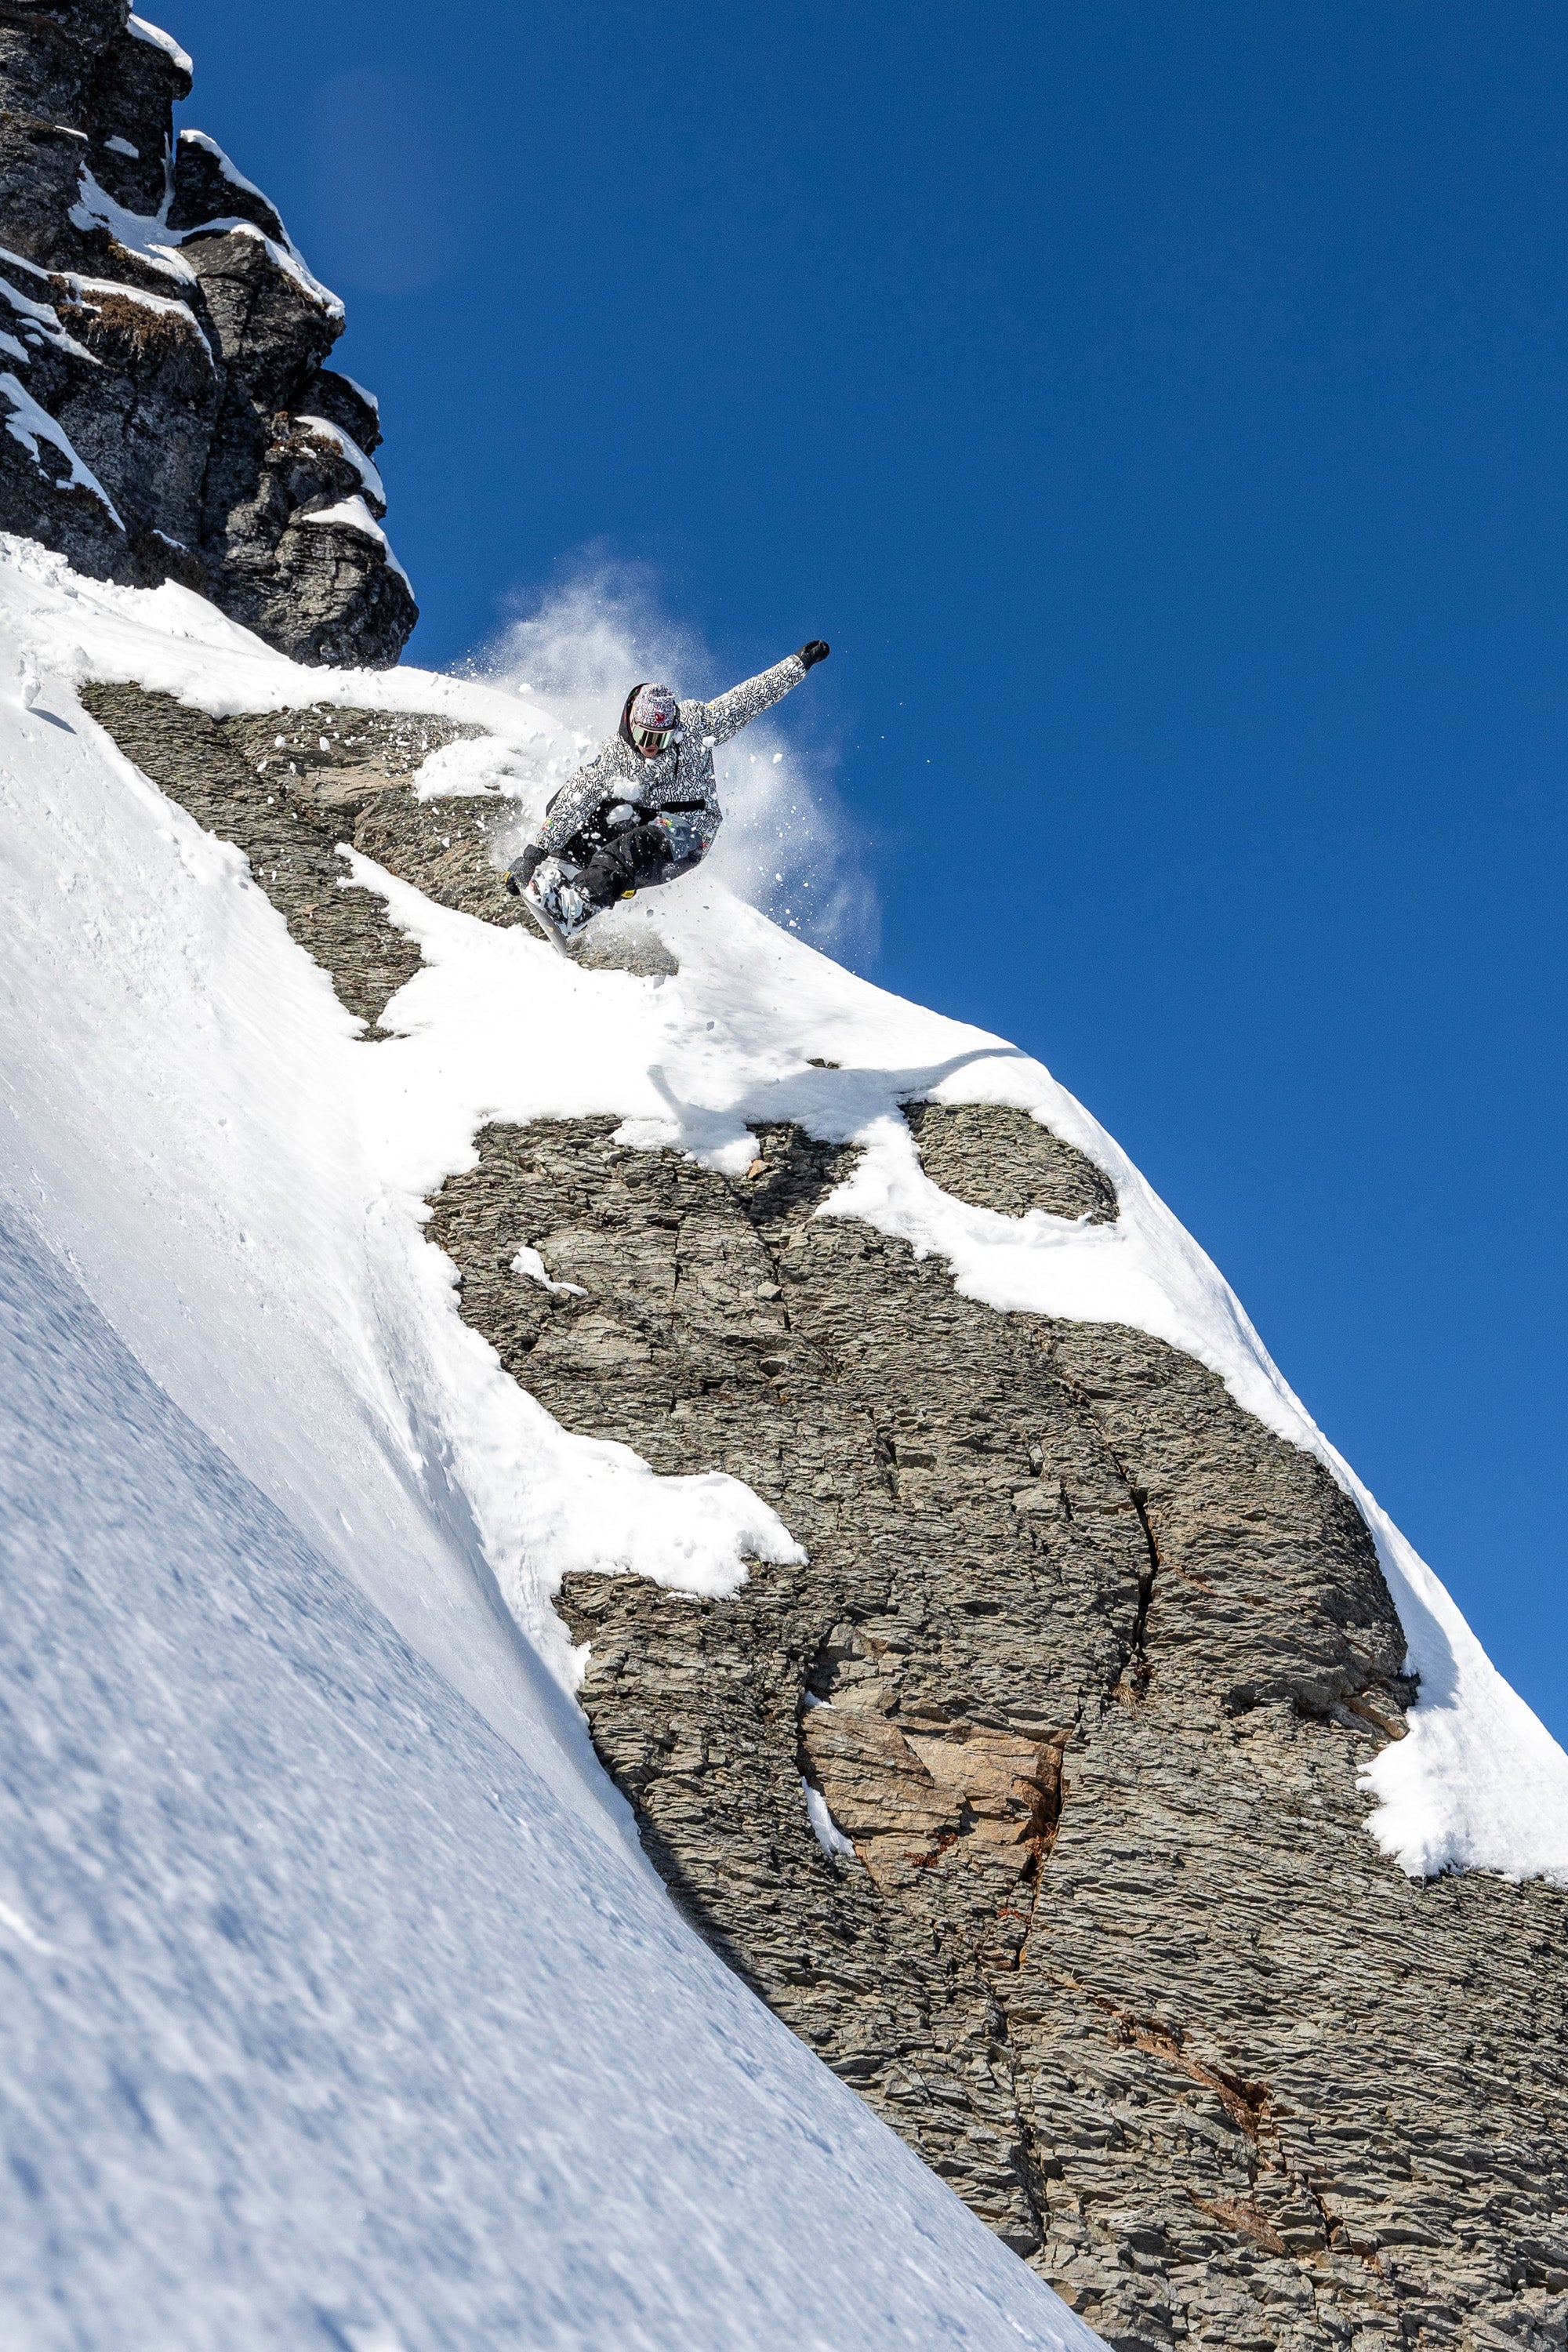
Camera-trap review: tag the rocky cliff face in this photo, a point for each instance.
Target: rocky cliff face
(167, 413)
(1032, 1802)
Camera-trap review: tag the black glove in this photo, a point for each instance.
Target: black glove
(523, 872)
(814, 651)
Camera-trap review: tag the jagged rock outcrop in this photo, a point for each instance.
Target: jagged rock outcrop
(1078, 1680)
(1086, 1663)
(166, 410)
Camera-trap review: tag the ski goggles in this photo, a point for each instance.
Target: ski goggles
(653, 739)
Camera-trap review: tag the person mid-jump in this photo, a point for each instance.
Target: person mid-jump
(645, 807)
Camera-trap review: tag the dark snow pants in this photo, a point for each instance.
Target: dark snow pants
(632, 860)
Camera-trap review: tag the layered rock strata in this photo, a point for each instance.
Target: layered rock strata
(1032, 1802)
(166, 410)
(299, 790)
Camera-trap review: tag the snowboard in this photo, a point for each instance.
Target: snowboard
(557, 939)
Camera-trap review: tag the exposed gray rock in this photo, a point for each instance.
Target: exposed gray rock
(296, 789)
(1103, 1660)
(1003, 1159)
(1087, 1663)
(293, 789)
(167, 413)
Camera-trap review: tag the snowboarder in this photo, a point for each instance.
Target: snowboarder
(645, 807)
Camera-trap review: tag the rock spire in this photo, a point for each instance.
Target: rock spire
(167, 413)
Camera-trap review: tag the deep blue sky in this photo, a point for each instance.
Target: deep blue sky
(1161, 408)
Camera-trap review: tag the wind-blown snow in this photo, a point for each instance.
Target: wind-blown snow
(495, 1026)
(787, 846)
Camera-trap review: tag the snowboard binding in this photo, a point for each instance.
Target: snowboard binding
(562, 911)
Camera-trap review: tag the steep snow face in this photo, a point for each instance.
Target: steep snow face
(240, 1185)
(241, 1188)
(326, 2023)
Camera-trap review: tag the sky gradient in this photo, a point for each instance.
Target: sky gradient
(1161, 411)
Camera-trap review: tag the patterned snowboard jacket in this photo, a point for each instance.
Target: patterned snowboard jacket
(677, 791)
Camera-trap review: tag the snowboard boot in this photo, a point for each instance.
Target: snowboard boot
(568, 909)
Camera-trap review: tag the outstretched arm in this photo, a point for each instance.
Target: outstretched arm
(728, 713)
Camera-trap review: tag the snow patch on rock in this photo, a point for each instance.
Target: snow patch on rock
(157, 38)
(30, 425)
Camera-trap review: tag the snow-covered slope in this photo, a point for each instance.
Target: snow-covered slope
(326, 2021)
(443, 2059)
(334, 2013)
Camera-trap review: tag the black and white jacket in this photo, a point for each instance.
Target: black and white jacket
(678, 788)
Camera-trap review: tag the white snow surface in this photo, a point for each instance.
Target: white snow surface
(340, 2005)
(30, 425)
(190, 1125)
(326, 2023)
(352, 512)
(528, 1261)
(159, 39)
(823, 1828)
